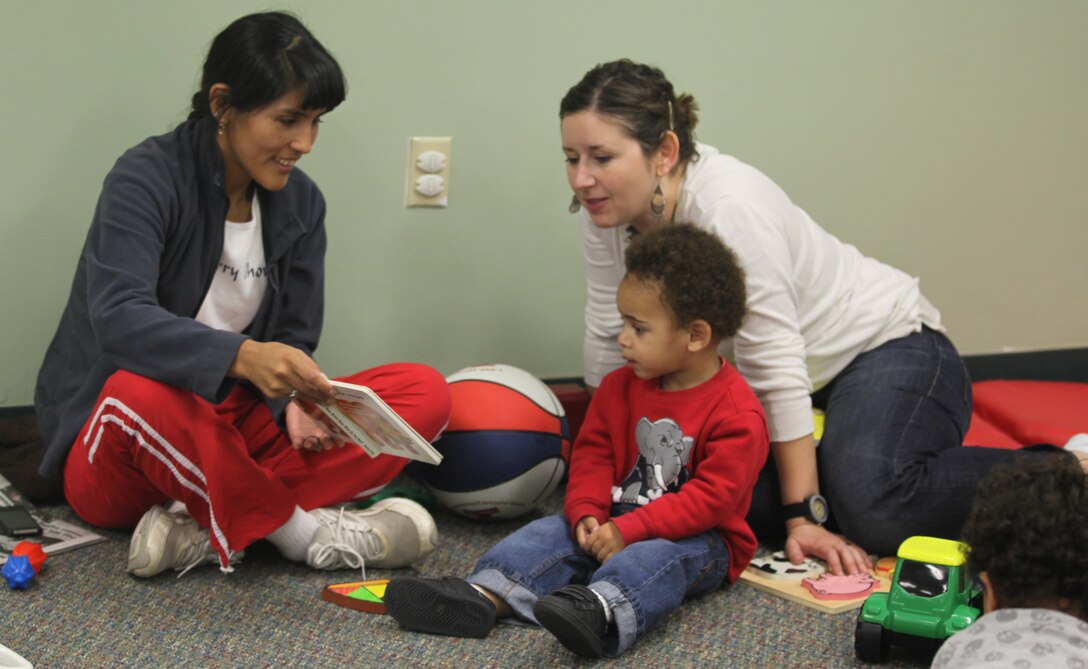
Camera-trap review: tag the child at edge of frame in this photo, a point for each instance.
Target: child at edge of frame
(1028, 535)
(661, 474)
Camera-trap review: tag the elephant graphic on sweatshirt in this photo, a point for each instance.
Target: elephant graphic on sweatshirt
(662, 466)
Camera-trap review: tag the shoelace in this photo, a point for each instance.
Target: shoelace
(361, 532)
(195, 555)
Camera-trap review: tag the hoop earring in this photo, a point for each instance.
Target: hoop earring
(657, 202)
(575, 205)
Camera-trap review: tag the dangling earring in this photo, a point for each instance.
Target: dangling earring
(575, 205)
(657, 202)
(222, 128)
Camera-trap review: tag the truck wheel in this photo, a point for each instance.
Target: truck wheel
(871, 642)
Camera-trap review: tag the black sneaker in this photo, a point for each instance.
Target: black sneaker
(575, 615)
(447, 606)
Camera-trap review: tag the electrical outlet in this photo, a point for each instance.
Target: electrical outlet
(428, 182)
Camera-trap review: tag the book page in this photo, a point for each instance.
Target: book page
(359, 416)
(379, 425)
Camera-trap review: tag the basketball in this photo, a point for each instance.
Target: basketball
(505, 448)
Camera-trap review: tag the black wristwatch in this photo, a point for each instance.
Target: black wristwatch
(812, 509)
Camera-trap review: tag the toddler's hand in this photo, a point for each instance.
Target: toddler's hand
(605, 541)
(582, 531)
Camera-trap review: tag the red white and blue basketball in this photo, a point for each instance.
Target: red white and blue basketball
(506, 446)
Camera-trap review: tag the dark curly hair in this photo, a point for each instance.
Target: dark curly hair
(1028, 529)
(641, 99)
(699, 276)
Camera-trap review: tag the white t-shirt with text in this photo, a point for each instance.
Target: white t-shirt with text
(241, 279)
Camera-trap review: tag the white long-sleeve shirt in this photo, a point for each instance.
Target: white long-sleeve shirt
(814, 303)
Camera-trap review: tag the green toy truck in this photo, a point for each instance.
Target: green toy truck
(932, 597)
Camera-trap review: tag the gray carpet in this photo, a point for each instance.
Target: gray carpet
(84, 611)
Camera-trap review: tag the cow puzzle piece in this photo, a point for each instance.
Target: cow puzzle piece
(777, 567)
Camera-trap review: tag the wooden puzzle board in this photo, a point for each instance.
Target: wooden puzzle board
(795, 592)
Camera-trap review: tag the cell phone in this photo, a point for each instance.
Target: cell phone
(16, 521)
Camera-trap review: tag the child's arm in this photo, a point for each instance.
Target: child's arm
(592, 465)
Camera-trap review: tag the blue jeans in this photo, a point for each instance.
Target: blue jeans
(642, 583)
(891, 461)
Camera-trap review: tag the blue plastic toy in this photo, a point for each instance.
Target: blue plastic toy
(17, 572)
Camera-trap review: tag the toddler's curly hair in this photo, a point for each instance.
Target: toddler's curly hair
(698, 275)
(1028, 529)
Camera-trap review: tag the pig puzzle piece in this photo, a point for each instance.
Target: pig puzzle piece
(829, 586)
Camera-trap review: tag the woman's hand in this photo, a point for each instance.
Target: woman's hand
(305, 432)
(278, 369)
(841, 555)
(795, 461)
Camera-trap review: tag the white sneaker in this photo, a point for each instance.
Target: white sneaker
(393, 533)
(9, 659)
(164, 540)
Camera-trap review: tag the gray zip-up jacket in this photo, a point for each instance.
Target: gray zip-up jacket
(154, 244)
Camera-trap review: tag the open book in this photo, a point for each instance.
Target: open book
(358, 415)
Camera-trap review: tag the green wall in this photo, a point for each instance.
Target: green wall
(947, 138)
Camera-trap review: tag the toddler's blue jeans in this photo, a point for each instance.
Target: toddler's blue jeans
(642, 583)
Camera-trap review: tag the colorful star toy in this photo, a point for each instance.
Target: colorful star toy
(359, 595)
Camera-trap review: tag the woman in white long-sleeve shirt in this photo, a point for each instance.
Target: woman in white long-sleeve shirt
(826, 326)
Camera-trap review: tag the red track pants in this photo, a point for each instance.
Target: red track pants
(234, 468)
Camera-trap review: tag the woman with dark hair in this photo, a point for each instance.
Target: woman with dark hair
(826, 326)
(164, 397)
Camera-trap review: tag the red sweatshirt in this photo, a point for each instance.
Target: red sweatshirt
(687, 458)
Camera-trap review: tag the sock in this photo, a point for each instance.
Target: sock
(1078, 442)
(294, 537)
(178, 506)
(480, 590)
(604, 604)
